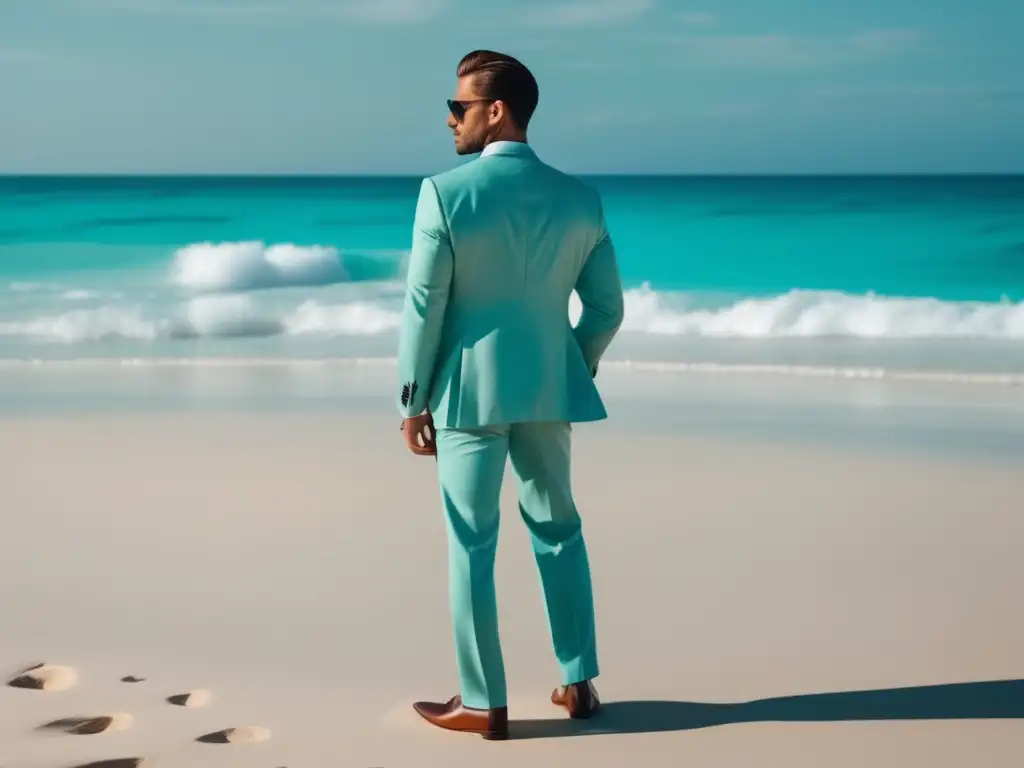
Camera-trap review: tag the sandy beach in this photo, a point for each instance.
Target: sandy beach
(758, 603)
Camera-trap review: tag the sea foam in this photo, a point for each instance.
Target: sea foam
(656, 315)
(251, 265)
(364, 317)
(239, 316)
(952, 377)
(85, 325)
(821, 314)
(226, 316)
(214, 316)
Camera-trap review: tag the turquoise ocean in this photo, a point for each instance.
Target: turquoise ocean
(836, 278)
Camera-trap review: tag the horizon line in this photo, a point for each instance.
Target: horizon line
(410, 174)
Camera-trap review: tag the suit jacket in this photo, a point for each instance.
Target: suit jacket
(499, 244)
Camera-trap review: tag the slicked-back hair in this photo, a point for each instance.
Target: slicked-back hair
(498, 76)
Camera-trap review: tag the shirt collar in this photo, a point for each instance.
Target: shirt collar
(512, 148)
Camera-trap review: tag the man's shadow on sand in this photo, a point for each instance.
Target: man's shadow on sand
(957, 701)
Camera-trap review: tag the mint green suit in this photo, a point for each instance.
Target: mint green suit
(487, 346)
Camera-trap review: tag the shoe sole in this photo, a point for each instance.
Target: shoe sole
(569, 705)
(486, 735)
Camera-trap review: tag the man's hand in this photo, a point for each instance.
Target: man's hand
(417, 438)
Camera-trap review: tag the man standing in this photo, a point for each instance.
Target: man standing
(490, 368)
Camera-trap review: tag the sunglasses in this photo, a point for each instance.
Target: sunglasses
(458, 108)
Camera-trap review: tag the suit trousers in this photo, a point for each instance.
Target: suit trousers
(471, 466)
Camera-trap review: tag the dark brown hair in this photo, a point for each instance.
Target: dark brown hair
(500, 77)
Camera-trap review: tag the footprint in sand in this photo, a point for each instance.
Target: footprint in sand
(46, 677)
(120, 762)
(197, 698)
(87, 726)
(247, 734)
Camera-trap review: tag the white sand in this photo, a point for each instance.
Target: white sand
(294, 565)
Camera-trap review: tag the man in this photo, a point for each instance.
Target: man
(490, 368)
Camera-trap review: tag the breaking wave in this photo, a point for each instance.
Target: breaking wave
(820, 314)
(794, 315)
(84, 325)
(219, 316)
(252, 265)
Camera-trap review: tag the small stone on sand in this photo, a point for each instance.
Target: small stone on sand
(197, 698)
(246, 734)
(46, 677)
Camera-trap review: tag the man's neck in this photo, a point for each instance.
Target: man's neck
(518, 138)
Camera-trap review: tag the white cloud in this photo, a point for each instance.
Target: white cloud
(594, 12)
(885, 40)
(369, 11)
(697, 19)
(32, 56)
(619, 117)
(945, 92)
(21, 55)
(778, 51)
(391, 11)
(724, 51)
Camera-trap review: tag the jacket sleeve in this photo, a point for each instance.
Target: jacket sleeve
(428, 284)
(600, 290)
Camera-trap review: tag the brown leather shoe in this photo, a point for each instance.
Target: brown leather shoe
(579, 699)
(492, 724)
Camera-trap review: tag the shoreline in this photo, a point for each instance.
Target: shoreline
(903, 418)
(826, 371)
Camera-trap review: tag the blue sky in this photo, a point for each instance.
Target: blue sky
(358, 86)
